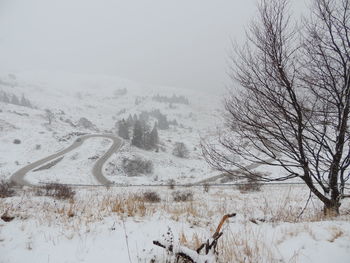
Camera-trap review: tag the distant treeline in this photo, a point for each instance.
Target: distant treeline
(13, 99)
(172, 99)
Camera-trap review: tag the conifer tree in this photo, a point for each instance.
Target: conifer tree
(123, 130)
(14, 100)
(154, 139)
(137, 138)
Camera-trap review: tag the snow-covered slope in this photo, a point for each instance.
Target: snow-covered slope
(61, 100)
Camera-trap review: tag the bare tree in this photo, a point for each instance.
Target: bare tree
(291, 108)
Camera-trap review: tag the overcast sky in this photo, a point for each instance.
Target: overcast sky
(182, 43)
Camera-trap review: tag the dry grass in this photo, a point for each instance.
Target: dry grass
(58, 191)
(192, 241)
(241, 250)
(131, 206)
(89, 208)
(336, 233)
(205, 208)
(247, 245)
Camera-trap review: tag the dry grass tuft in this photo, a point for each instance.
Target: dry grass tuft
(58, 191)
(336, 233)
(192, 242)
(185, 196)
(246, 246)
(152, 197)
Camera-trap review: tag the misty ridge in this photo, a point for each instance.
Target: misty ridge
(175, 131)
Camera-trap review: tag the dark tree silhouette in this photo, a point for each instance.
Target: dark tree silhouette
(123, 130)
(292, 107)
(154, 139)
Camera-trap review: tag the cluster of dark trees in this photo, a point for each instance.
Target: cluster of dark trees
(120, 92)
(13, 99)
(142, 135)
(139, 100)
(172, 99)
(162, 120)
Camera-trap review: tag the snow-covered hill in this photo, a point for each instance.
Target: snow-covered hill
(64, 106)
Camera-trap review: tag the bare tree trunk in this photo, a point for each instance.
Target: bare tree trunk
(292, 109)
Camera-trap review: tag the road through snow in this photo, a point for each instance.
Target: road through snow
(18, 177)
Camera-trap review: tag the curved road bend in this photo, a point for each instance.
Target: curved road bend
(18, 177)
(238, 171)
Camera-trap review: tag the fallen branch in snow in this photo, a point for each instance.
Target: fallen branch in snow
(183, 254)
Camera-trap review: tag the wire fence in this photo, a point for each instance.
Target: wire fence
(224, 185)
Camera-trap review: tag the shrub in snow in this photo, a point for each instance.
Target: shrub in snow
(6, 189)
(182, 196)
(17, 141)
(49, 116)
(171, 184)
(137, 166)
(58, 191)
(180, 150)
(85, 123)
(151, 197)
(206, 187)
(252, 185)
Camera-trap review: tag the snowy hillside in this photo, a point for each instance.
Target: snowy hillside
(63, 106)
(42, 114)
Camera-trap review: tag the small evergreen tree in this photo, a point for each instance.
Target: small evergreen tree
(137, 138)
(129, 121)
(49, 115)
(25, 102)
(6, 99)
(163, 123)
(154, 139)
(14, 100)
(145, 135)
(123, 130)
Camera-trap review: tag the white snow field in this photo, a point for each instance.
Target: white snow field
(118, 223)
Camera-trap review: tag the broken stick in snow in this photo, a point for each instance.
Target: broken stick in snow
(191, 256)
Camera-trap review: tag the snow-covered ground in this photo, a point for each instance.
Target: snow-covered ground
(118, 224)
(110, 225)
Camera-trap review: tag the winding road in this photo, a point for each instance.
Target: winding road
(18, 177)
(237, 171)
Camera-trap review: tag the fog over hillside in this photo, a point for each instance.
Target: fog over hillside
(107, 109)
(182, 43)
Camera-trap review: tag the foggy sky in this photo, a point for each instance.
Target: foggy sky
(181, 43)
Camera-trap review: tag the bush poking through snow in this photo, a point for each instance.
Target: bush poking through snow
(171, 184)
(252, 185)
(151, 197)
(17, 141)
(206, 188)
(58, 191)
(5, 189)
(180, 150)
(182, 196)
(137, 166)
